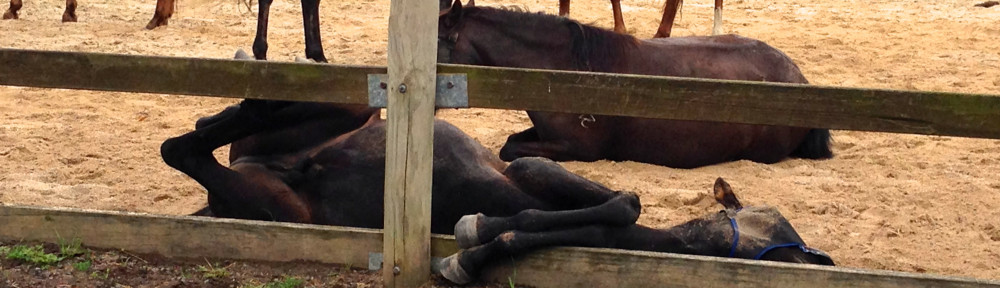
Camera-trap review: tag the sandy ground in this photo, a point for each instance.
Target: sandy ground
(887, 201)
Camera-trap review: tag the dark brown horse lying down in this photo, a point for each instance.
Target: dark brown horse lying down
(325, 163)
(494, 37)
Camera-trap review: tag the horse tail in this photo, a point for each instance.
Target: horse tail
(816, 145)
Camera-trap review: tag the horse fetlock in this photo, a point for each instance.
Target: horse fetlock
(623, 209)
(467, 231)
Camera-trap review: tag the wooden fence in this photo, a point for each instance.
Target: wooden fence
(408, 173)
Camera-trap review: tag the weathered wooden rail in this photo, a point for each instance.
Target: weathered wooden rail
(199, 237)
(915, 112)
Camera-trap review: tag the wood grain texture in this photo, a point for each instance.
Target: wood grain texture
(899, 111)
(588, 267)
(412, 57)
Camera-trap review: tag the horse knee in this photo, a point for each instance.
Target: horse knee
(177, 152)
(527, 165)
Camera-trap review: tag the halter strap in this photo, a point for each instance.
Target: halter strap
(736, 240)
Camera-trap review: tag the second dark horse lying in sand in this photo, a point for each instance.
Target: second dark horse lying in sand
(325, 164)
(495, 37)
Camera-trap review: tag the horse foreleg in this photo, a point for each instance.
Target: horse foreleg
(616, 8)
(717, 23)
(164, 10)
(11, 12)
(464, 266)
(667, 22)
(310, 20)
(260, 42)
(564, 8)
(70, 14)
(528, 144)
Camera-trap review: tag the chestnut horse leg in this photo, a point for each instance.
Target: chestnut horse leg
(164, 10)
(260, 42)
(11, 13)
(310, 20)
(717, 25)
(70, 14)
(667, 22)
(564, 8)
(616, 8)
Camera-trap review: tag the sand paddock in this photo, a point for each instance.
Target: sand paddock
(887, 201)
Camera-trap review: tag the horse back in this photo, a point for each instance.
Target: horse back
(729, 57)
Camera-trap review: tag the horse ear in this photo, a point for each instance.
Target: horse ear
(453, 15)
(725, 196)
(472, 3)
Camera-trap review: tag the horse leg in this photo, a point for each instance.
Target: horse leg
(464, 266)
(564, 8)
(616, 8)
(310, 20)
(667, 22)
(11, 13)
(164, 10)
(260, 42)
(527, 144)
(70, 14)
(249, 190)
(583, 202)
(717, 24)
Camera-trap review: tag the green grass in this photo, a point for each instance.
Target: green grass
(82, 266)
(71, 248)
(211, 271)
(286, 282)
(32, 254)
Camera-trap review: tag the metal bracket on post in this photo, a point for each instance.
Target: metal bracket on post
(451, 91)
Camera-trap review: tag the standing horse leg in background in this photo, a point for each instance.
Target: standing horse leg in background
(717, 24)
(260, 42)
(70, 14)
(164, 10)
(564, 8)
(310, 21)
(11, 13)
(667, 22)
(616, 8)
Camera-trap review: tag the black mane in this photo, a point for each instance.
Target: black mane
(596, 49)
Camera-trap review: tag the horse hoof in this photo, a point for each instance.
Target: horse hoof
(452, 271)
(467, 232)
(9, 15)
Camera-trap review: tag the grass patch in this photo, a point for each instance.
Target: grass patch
(32, 254)
(71, 248)
(286, 282)
(211, 271)
(82, 266)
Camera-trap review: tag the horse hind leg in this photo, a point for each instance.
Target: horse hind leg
(11, 13)
(310, 20)
(164, 10)
(564, 8)
(670, 9)
(616, 8)
(70, 14)
(717, 22)
(260, 41)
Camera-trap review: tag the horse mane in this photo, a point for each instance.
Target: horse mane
(594, 48)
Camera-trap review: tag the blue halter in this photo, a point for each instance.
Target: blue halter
(736, 241)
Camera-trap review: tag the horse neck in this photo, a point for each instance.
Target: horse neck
(695, 237)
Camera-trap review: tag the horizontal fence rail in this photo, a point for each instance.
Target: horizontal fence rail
(915, 112)
(197, 237)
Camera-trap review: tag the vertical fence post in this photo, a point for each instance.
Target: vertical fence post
(409, 143)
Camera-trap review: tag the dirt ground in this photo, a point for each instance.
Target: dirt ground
(886, 201)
